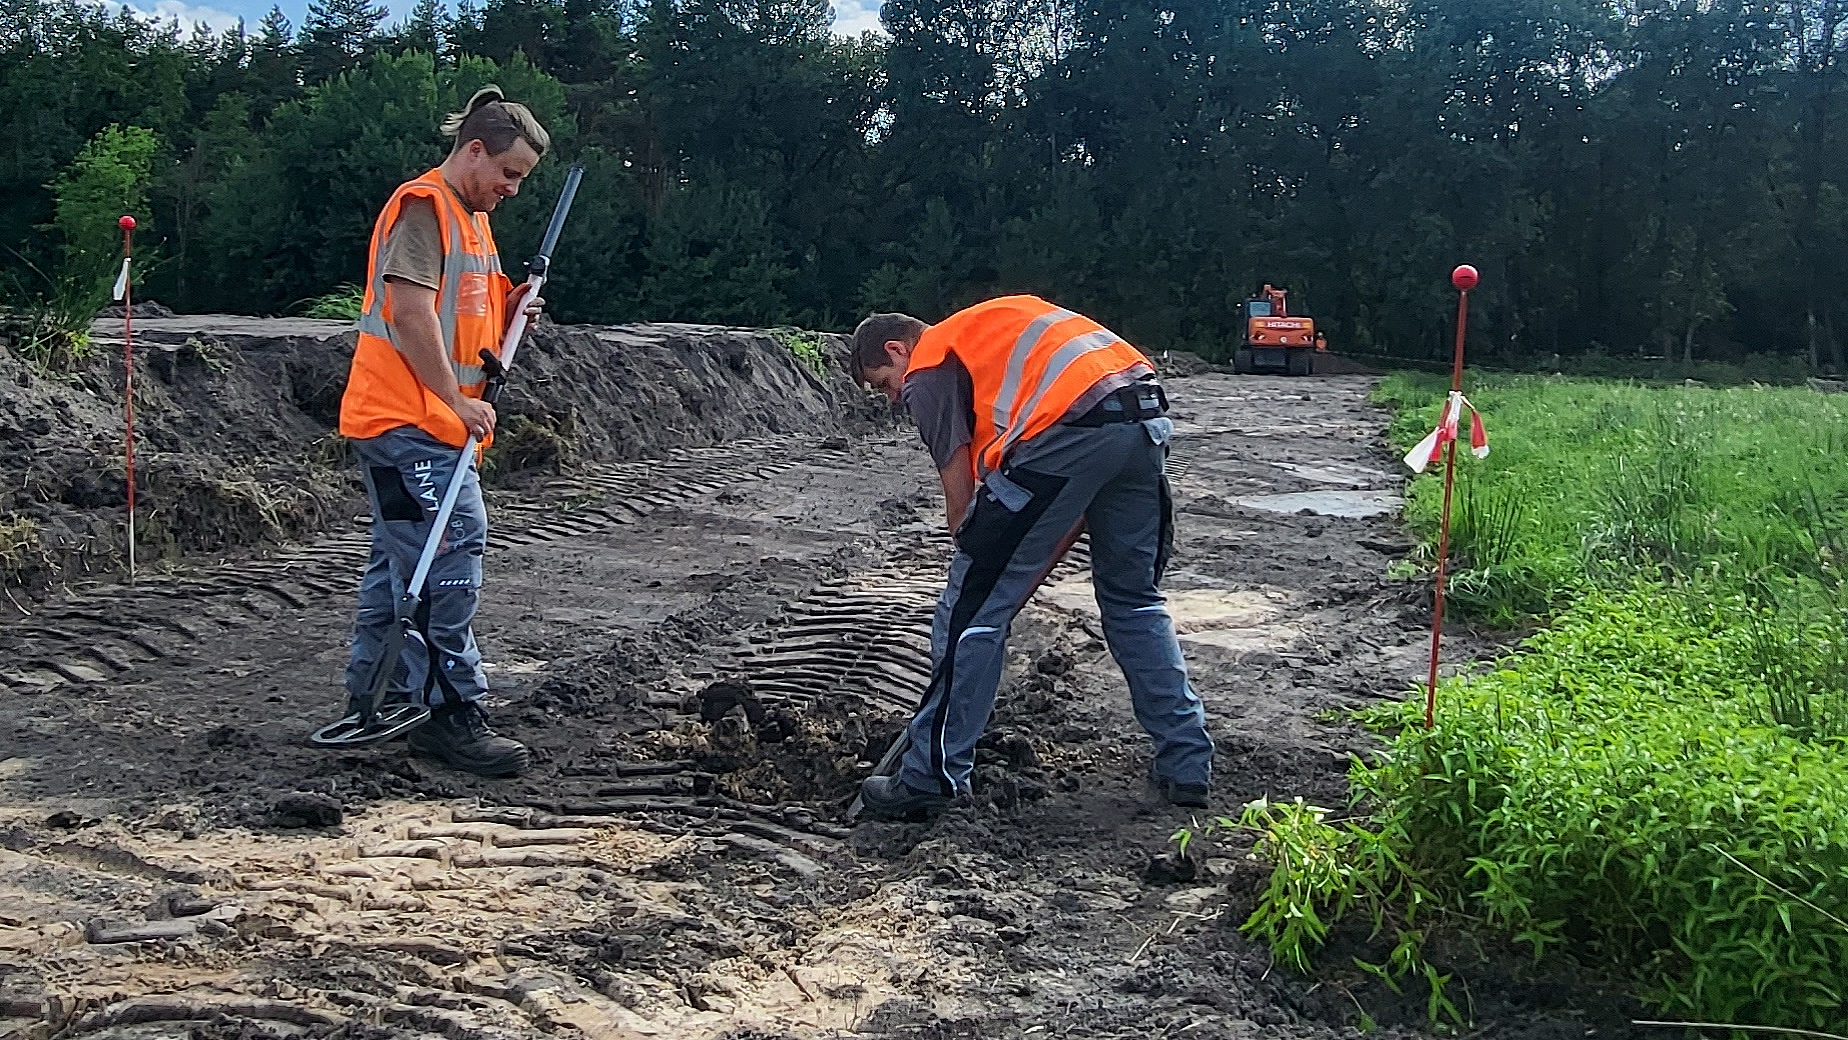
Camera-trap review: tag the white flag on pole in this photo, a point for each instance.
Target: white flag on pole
(1431, 449)
(121, 285)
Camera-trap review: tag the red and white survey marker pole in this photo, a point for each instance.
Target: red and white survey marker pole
(1443, 442)
(126, 295)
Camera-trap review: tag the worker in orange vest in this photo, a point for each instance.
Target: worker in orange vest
(1038, 419)
(435, 298)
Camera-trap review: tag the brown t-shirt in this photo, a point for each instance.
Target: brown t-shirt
(414, 246)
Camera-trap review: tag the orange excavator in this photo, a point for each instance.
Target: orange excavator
(1275, 340)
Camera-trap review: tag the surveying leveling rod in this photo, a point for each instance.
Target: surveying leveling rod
(537, 269)
(126, 293)
(368, 725)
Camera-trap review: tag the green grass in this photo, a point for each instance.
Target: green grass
(1734, 495)
(48, 322)
(342, 304)
(1596, 484)
(1657, 781)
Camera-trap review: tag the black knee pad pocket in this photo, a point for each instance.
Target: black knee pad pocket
(1164, 550)
(993, 532)
(395, 501)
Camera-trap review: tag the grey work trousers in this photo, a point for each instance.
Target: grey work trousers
(406, 472)
(1110, 477)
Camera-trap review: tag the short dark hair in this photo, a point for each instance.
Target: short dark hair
(496, 122)
(871, 336)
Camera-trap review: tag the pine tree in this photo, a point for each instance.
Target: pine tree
(427, 29)
(274, 32)
(274, 68)
(336, 34)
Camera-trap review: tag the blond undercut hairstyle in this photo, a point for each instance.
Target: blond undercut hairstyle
(496, 122)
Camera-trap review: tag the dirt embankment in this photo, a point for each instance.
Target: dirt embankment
(236, 443)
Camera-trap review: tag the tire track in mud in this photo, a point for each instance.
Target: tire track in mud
(856, 645)
(428, 919)
(852, 653)
(865, 636)
(104, 635)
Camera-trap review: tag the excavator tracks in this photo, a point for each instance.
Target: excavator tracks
(105, 634)
(865, 636)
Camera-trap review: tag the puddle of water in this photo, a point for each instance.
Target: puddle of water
(1327, 503)
(1340, 474)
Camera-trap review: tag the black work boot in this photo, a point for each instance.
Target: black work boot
(1187, 796)
(889, 798)
(458, 736)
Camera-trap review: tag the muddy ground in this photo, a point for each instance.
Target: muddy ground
(706, 638)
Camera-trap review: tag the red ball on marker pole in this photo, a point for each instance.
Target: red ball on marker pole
(127, 223)
(1464, 277)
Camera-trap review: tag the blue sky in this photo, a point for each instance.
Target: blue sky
(851, 17)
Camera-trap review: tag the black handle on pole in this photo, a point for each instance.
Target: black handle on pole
(496, 374)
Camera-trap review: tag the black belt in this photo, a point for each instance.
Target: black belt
(1133, 403)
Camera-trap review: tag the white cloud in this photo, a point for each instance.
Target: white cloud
(853, 17)
(188, 15)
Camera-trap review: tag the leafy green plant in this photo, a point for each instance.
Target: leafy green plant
(1323, 870)
(107, 179)
(1601, 788)
(48, 323)
(808, 348)
(49, 315)
(1658, 780)
(211, 353)
(342, 304)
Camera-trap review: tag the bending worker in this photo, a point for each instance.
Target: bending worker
(1038, 419)
(435, 298)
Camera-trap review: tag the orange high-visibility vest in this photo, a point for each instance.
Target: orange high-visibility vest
(382, 391)
(1029, 362)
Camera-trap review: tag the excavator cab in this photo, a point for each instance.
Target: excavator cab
(1276, 341)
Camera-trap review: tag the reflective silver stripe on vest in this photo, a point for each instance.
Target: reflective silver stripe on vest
(456, 263)
(467, 375)
(372, 324)
(1017, 362)
(1070, 351)
(372, 320)
(452, 286)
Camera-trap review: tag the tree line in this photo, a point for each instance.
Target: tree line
(1647, 178)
